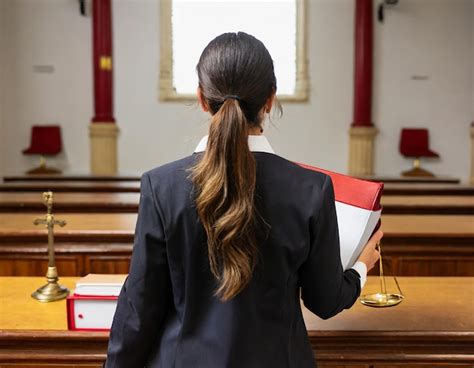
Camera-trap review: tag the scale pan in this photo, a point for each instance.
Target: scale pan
(380, 300)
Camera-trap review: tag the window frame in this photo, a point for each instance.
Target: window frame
(166, 90)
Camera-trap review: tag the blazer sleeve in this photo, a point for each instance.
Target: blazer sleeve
(326, 289)
(146, 293)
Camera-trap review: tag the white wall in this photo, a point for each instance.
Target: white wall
(47, 32)
(472, 61)
(429, 39)
(419, 37)
(2, 84)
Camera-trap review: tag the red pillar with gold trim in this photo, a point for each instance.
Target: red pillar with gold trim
(103, 131)
(362, 132)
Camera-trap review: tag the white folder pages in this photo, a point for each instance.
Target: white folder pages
(358, 212)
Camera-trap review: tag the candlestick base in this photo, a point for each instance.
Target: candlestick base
(52, 291)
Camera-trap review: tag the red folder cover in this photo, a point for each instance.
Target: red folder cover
(358, 212)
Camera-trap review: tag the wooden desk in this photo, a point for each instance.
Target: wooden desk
(434, 333)
(423, 245)
(128, 203)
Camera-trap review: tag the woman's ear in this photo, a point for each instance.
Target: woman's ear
(269, 103)
(202, 103)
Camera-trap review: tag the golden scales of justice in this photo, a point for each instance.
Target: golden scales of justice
(52, 290)
(382, 298)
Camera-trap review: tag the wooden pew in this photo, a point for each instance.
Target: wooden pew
(432, 327)
(412, 179)
(71, 202)
(398, 189)
(70, 177)
(136, 177)
(72, 186)
(128, 203)
(421, 189)
(413, 245)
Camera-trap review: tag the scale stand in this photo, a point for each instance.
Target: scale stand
(382, 299)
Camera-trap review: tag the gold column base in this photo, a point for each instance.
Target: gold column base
(52, 291)
(42, 169)
(417, 172)
(103, 145)
(361, 150)
(472, 154)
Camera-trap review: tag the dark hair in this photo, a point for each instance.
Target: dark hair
(224, 177)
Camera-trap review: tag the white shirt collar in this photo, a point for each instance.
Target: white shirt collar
(257, 143)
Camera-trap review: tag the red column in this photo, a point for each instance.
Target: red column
(102, 61)
(363, 63)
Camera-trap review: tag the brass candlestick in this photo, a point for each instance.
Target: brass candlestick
(52, 290)
(382, 299)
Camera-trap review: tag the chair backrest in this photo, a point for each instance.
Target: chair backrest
(45, 140)
(414, 143)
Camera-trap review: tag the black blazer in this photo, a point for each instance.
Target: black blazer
(167, 316)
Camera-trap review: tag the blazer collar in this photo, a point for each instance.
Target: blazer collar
(258, 143)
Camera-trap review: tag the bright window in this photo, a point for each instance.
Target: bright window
(189, 25)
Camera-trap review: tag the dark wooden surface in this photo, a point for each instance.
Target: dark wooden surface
(74, 186)
(128, 203)
(136, 177)
(406, 179)
(432, 327)
(71, 177)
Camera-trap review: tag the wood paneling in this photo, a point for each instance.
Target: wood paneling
(102, 243)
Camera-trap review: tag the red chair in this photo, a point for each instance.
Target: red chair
(45, 141)
(414, 143)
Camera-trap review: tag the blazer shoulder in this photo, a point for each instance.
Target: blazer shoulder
(170, 170)
(293, 170)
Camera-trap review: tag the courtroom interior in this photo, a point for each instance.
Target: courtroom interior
(93, 93)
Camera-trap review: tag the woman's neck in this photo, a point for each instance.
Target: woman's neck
(255, 131)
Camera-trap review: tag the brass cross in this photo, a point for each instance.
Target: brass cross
(49, 223)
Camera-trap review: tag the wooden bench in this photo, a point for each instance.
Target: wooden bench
(128, 203)
(413, 245)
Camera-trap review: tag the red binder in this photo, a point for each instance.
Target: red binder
(358, 212)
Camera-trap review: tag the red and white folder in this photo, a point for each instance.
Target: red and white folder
(90, 313)
(358, 212)
(92, 305)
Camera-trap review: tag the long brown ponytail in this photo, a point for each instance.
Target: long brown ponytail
(225, 176)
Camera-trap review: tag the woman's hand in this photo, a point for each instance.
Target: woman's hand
(370, 255)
